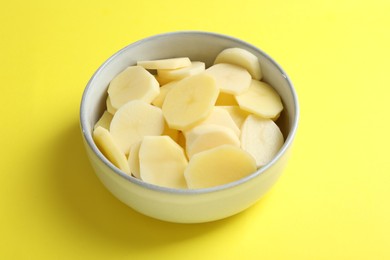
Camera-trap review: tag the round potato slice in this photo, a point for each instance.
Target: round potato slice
(242, 58)
(190, 101)
(133, 121)
(261, 99)
(218, 166)
(162, 162)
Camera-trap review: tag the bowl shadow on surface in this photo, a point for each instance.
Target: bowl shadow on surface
(93, 208)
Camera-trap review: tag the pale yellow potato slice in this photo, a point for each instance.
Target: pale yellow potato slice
(230, 78)
(164, 89)
(260, 99)
(205, 137)
(104, 121)
(110, 149)
(133, 83)
(242, 58)
(190, 101)
(162, 162)
(225, 99)
(133, 159)
(177, 74)
(220, 116)
(261, 138)
(135, 120)
(238, 115)
(167, 64)
(218, 166)
(109, 106)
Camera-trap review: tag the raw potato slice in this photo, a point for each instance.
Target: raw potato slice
(109, 148)
(261, 138)
(110, 108)
(230, 78)
(261, 99)
(225, 99)
(133, 160)
(218, 166)
(133, 83)
(166, 64)
(190, 101)
(135, 120)
(242, 58)
(162, 162)
(205, 137)
(159, 100)
(104, 121)
(220, 116)
(238, 115)
(177, 74)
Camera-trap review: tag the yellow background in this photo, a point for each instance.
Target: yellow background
(332, 201)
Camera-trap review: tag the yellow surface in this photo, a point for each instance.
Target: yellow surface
(332, 201)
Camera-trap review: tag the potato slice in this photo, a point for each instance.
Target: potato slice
(135, 120)
(162, 162)
(110, 149)
(133, 159)
(218, 166)
(230, 78)
(261, 99)
(177, 74)
(167, 64)
(190, 101)
(220, 116)
(109, 106)
(133, 83)
(205, 137)
(242, 58)
(261, 138)
(104, 121)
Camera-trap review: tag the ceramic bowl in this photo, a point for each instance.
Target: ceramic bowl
(174, 205)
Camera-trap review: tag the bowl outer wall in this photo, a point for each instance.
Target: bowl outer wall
(186, 206)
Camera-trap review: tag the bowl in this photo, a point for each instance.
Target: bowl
(190, 205)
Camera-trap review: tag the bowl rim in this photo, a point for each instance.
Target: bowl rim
(89, 140)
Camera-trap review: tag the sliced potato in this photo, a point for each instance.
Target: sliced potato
(181, 73)
(261, 99)
(134, 83)
(168, 64)
(133, 159)
(162, 162)
(135, 120)
(230, 78)
(205, 137)
(261, 138)
(218, 166)
(110, 149)
(190, 101)
(242, 58)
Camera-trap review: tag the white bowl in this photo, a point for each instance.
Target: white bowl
(174, 205)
